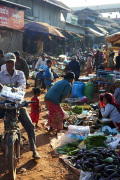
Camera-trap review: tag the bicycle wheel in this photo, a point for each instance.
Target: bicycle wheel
(12, 161)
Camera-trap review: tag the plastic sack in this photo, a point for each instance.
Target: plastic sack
(88, 90)
(77, 137)
(66, 115)
(114, 144)
(64, 139)
(84, 175)
(73, 129)
(77, 89)
(12, 96)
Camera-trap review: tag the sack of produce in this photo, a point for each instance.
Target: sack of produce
(78, 129)
(88, 90)
(78, 132)
(77, 89)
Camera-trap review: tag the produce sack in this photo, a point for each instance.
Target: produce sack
(78, 132)
(77, 89)
(88, 90)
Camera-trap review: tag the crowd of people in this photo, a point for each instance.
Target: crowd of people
(15, 73)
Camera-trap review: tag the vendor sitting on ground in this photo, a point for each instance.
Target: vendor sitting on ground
(117, 91)
(111, 109)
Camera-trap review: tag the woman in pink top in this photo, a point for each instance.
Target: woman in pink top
(89, 64)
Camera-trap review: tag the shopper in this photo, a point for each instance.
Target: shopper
(54, 97)
(118, 62)
(117, 91)
(89, 64)
(35, 107)
(1, 58)
(96, 59)
(41, 61)
(110, 62)
(74, 66)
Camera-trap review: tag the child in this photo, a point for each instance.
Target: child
(48, 75)
(35, 107)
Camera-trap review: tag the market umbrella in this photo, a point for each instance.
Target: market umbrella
(33, 28)
(113, 39)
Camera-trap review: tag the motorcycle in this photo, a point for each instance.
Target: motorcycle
(10, 140)
(39, 80)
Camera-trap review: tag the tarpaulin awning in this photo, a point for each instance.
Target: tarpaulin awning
(70, 35)
(102, 30)
(94, 32)
(113, 39)
(34, 28)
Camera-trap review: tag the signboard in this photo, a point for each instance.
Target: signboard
(11, 18)
(72, 19)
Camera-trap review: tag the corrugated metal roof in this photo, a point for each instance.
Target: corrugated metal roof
(103, 30)
(59, 4)
(14, 4)
(94, 32)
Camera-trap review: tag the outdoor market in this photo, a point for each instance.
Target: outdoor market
(59, 90)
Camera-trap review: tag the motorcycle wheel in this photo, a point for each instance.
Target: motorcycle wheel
(12, 161)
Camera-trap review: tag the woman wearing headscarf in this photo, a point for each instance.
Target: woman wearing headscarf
(54, 97)
(111, 109)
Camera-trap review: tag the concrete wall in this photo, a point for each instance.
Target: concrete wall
(10, 40)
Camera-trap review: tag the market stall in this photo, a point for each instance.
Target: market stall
(87, 144)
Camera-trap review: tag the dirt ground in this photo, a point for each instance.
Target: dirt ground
(49, 166)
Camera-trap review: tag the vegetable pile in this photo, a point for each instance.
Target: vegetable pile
(95, 141)
(77, 109)
(69, 148)
(104, 163)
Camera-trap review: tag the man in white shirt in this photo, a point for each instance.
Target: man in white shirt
(41, 61)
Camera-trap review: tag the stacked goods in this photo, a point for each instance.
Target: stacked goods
(103, 163)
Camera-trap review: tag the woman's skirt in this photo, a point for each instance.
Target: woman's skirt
(56, 115)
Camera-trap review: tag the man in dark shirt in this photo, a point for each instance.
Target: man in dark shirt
(1, 58)
(74, 66)
(118, 61)
(21, 64)
(96, 57)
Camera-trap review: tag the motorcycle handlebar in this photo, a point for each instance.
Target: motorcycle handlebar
(10, 105)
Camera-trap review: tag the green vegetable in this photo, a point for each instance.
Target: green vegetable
(95, 141)
(109, 160)
(73, 152)
(68, 148)
(77, 109)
